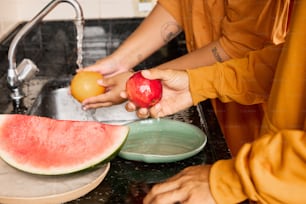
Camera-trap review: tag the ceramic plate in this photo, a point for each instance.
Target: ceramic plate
(18, 187)
(162, 140)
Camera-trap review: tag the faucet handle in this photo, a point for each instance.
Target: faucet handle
(26, 70)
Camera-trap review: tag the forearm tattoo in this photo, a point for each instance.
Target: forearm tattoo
(169, 31)
(216, 54)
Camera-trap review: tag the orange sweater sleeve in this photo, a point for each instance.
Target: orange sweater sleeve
(174, 8)
(269, 170)
(246, 81)
(239, 26)
(249, 26)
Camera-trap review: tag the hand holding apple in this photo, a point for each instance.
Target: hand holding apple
(144, 93)
(175, 93)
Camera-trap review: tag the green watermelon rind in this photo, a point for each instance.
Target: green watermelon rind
(83, 169)
(105, 161)
(76, 170)
(95, 162)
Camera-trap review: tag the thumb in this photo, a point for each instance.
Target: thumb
(153, 74)
(104, 82)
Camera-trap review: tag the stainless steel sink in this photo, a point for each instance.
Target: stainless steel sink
(54, 101)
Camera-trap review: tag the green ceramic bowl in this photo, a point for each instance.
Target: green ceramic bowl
(162, 141)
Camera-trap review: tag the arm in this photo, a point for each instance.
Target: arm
(204, 56)
(155, 31)
(267, 170)
(246, 81)
(241, 29)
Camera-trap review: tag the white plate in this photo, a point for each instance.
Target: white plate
(17, 187)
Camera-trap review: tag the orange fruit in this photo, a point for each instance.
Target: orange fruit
(84, 85)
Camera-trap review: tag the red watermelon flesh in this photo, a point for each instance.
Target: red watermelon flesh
(47, 146)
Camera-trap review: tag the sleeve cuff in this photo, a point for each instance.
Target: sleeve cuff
(225, 184)
(202, 84)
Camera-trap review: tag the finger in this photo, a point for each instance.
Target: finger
(108, 81)
(105, 82)
(155, 111)
(151, 74)
(103, 99)
(102, 82)
(165, 186)
(143, 113)
(123, 94)
(164, 198)
(130, 107)
(82, 70)
(93, 67)
(171, 197)
(156, 74)
(97, 105)
(169, 192)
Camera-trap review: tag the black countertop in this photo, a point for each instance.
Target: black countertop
(128, 181)
(51, 45)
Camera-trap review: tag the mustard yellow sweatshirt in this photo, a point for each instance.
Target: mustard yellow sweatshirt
(271, 169)
(240, 27)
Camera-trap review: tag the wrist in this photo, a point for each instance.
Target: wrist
(123, 62)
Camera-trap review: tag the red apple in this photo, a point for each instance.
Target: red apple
(143, 92)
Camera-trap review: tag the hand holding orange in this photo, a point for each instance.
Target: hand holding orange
(84, 85)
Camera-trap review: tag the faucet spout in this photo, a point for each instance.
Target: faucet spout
(13, 75)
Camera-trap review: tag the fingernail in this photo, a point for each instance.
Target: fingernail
(145, 72)
(100, 81)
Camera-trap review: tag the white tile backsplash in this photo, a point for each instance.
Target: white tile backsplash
(14, 11)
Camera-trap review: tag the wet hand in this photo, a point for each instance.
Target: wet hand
(176, 95)
(114, 85)
(107, 66)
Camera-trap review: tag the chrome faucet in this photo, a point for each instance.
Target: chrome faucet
(26, 69)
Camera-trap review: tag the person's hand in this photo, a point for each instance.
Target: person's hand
(108, 67)
(176, 95)
(114, 85)
(187, 187)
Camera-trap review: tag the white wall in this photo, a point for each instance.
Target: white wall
(13, 12)
(8, 18)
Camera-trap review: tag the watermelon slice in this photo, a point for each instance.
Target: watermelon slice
(41, 145)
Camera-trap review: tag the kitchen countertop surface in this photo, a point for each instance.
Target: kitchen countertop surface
(128, 181)
(51, 45)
